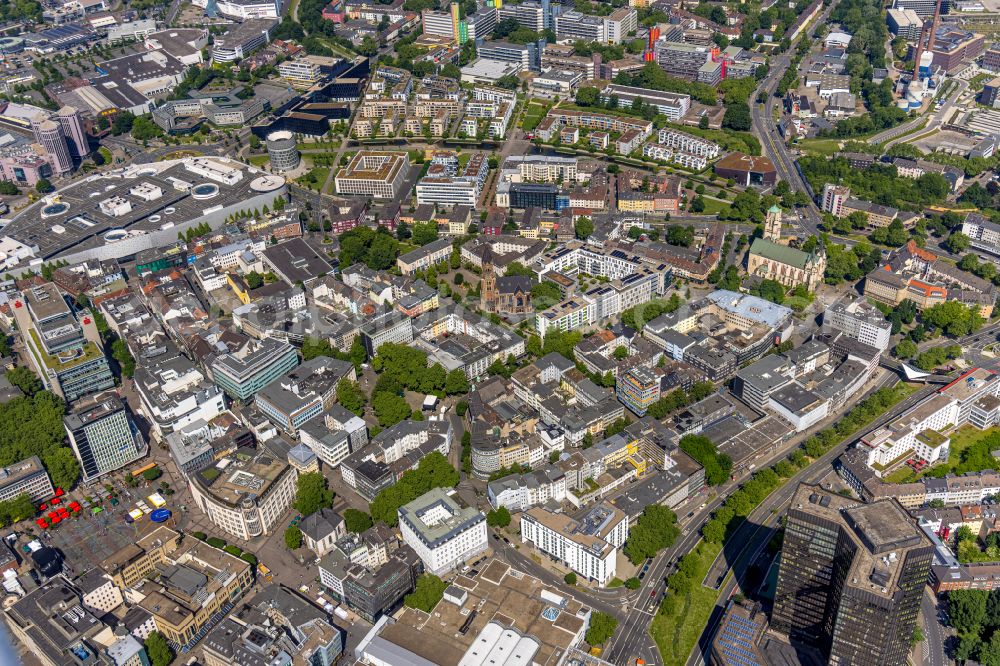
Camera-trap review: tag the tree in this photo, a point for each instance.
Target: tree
(953, 317)
(158, 650)
(737, 117)
(62, 466)
(425, 232)
(717, 466)
(293, 537)
(356, 521)
(621, 353)
(312, 494)
(905, 349)
(8, 188)
(426, 594)
(498, 517)
(254, 280)
(44, 186)
(602, 627)
(389, 408)
(121, 353)
(583, 227)
(122, 123)
(570, 578)
(957, 242)
(144, 129)
(633, 583)
(433, 471)
(456, 382)
(967, 609)
(350, 396)
(655, 530)
(23, 378)
(697, 204)
(587, 96)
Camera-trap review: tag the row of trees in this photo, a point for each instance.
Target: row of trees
(880, 183)
(679, 398)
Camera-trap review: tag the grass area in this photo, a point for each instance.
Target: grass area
(106, 154)
(714, 206)
(616, 582)
(824, 147)
(88, 352)
(533, 115)
(314, 178)
(901, 475)
(677, 633)
(259, 160)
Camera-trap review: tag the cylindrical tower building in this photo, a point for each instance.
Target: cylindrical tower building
(282, 150)
(52, 139)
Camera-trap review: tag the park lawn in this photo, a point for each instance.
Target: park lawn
(314, 178)
(714, 206)
(824, 147)
(259, 160)
(902, 475)
(966, 436)
(677, 634)
(533, 115)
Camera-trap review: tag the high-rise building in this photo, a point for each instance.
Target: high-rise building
(49, 134)
(103, 436)
(72, 126)
(834, 198)
(64, 346)
(851, 577)
(637, 389)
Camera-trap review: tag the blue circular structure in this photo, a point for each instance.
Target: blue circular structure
(160, 515)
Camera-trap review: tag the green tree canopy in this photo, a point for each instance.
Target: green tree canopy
(312, 494)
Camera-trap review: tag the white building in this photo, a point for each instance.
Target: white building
(588, 547)
(923, 430)
(174, 394)
(443, 533)
(246, 498)
(861, 321)
(983, 234)
(519, 492)
(242, 10)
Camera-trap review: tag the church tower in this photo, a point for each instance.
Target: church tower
(488, 285)
(772, 224)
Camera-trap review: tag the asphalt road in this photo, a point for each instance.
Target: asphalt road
(934, 633)
(895, 134)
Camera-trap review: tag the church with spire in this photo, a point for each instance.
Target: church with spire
(506, 294)
(769, 259)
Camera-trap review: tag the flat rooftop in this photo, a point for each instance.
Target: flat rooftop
(500, 594)
(137, 199)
